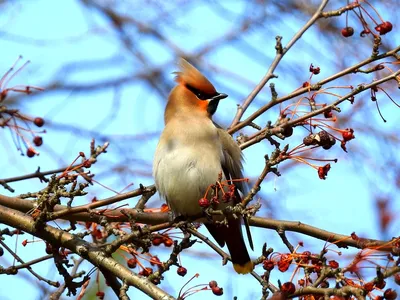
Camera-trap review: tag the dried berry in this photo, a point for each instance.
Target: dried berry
(287, 131)
(323, 171)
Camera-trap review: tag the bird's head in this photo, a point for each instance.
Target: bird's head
(194, 93)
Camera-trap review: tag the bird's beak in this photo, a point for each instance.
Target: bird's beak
(219, 96)
(214, 101)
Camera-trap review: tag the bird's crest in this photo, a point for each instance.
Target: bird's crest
(190, 77)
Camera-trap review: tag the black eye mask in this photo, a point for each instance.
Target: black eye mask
(199, 94)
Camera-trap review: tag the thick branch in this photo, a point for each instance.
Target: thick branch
(93, 254)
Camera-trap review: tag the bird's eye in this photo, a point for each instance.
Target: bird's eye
(199, 94)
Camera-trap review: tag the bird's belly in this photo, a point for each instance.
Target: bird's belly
(183, 177)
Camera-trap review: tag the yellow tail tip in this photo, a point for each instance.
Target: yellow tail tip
(244, 269)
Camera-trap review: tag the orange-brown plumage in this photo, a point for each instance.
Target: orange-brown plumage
(189, 75)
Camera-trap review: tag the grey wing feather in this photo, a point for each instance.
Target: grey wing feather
(233, 166)
(233, 158)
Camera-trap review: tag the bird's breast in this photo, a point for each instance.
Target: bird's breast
(186, 163)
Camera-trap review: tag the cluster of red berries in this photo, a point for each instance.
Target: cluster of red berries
(37, 140)
(388, 294)
(382, 28)
(226, 197)
(162, 239)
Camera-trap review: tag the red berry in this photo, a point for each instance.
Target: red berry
(38, 141)
(288, 287)
(347, 31)
(212, 284)
(100, 295)
(384, 28)
(39, 122)
(204, 202)
(323, 171)
(168, 242)
(157, 241)
(30, 152)
(181, 271)
(368, 287)
(333, 264)
(348, 135)
(390, 294)
(397, 278)
(305, 257)
(132, 262)
(155, 261)
(268, 265)
(218, 291)
(146, 272)
(284, 263)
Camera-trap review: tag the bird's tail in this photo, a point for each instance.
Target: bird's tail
(233, 237)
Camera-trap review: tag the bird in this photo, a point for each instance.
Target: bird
(193, 153)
